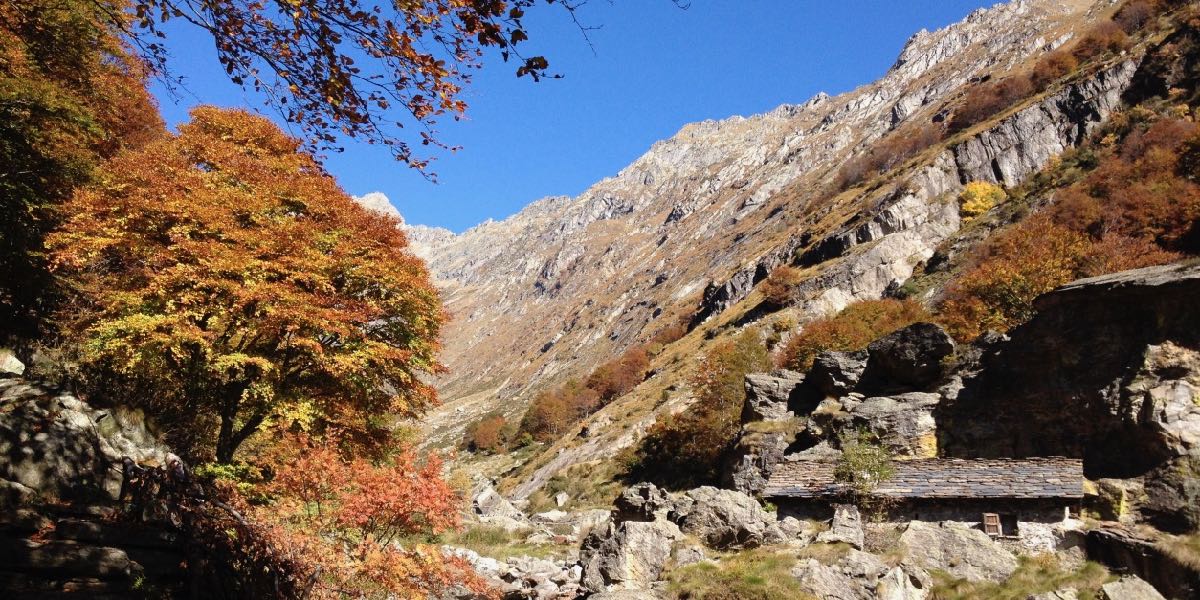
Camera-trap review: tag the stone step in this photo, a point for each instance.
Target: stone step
(121, 535)
(61, 559)
(23, 586)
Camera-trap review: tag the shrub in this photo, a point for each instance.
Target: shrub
(863, 464)
(1105, 37)
(489, 434)
(979, 197)
(987, 99)
(686, 449)
(554, 412)
(888, 153)
(1052, 67)
(616, 378)
(856, 326)
(780, 286)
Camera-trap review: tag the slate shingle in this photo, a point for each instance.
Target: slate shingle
(1049, 477)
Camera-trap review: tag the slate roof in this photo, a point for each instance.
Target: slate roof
(1051, 477)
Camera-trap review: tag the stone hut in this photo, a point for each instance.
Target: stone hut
(1006, 498)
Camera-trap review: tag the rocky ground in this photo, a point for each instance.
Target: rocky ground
(920, 394)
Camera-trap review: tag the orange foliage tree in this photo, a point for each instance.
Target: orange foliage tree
(686, 449)
(70, 95)
(223, 280)
(342, 517)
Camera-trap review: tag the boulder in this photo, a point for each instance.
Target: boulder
(770, 396)
(846, 527)
(627, 555)
(1063, 594)
(834, 374)
(829, 582)
(1129, 587)
(725, 519)
(959, 550)
(13, 495)
(690, 555)
(897, 584)
(904, 423)
(10, 364)
(561, 499)
(910, 357)
(638, 594)
(642, 502)
(488, 503)
(56, 445)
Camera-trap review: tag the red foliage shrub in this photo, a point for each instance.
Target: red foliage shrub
(856, 326)
(779, 288)
(888, 153)
(686, 449)
(987, 99)
(1051, 68)
(1104, 38)
(487, 435)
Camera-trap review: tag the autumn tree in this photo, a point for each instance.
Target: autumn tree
(686, 449)
(70, 95)
(346, 68)
(341, 517)
(222, 280)
(1136, 207)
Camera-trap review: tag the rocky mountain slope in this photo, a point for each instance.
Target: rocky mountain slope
(688, 228)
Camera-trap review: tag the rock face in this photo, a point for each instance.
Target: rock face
(1114, 361)
(703, 216)
(957, 549)
(1128, 550)
(911, 357)
(770, 396)
(56, 445)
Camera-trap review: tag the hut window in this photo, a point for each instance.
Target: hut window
(1000, 525)
(991, 524)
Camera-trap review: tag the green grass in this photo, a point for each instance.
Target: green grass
(826, 554)
(1034, 575)
(498, 543)
(1185, 549)
(751, 575)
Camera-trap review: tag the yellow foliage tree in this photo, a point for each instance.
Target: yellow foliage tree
(979, 197)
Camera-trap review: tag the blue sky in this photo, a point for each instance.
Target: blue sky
(654, 68)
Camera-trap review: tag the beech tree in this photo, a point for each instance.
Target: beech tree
(70, 95)
(222, 280)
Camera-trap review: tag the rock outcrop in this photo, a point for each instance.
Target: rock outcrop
(1109, 365)
(55, 445)
(725, 519)
(958, 550)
